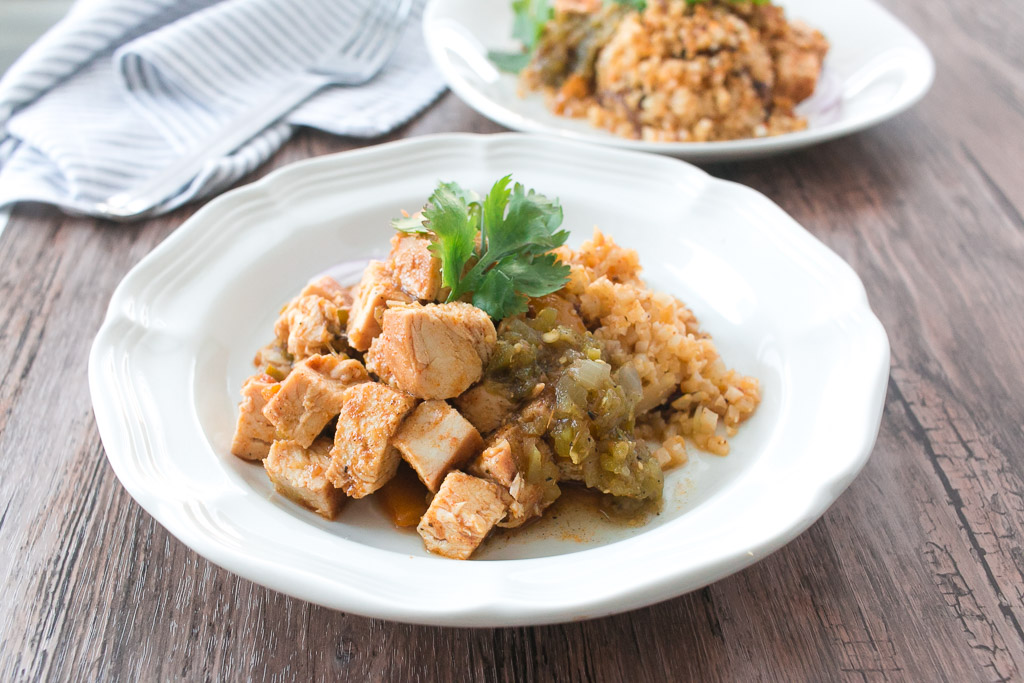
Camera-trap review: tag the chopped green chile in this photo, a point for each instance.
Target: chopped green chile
(276, 372)
(535, 350)
(592, 423)
(592, 428)
(572, 42)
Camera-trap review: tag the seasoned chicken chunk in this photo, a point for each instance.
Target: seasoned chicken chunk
(253, 432)
(300, 474)
(416, 269)
(525, 467)
(798, 72)
(363, 458)
(309, 325)
(436, 439)
(328, 288)
(311, 395)
(432, 351)
(496, 463)
(485, 406)
(798, 62)
(461, 515)
(375, 290)
(535, 416)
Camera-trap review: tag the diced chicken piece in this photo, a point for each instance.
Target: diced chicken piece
(328, 288)
(656, 392)
(798, 62)
(524, 466)
(435, 439)
(363, 458)
(569, 471)
(535, 416)
(461, 515)
(309, 325)
(484, 406)
(496, 463)
(311, 396)
(432, 351)
(416, 269)
(376, 289)
(254, 432)
(797, 74)
(300, 474)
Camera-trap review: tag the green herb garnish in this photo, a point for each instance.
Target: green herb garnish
(530, 17)
(509, 62)
(504, 240)
(527, 27)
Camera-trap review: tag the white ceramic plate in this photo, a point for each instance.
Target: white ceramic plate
(182, 328)
(875, 69)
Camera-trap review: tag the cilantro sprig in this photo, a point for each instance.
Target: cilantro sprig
(529, 19)
(495, 251)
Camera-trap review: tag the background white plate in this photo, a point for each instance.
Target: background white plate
(182, 328)
(875, 69)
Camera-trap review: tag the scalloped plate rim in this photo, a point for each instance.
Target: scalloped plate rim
(492, 609)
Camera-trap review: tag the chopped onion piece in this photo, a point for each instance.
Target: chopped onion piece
(591, 374)
(629, 379)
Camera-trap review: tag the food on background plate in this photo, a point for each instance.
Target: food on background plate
(668, 70)
(480, 370)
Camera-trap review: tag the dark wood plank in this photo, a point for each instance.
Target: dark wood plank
(917, 572)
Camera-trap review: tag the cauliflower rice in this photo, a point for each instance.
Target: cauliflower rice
(679, 72)
(660, 337)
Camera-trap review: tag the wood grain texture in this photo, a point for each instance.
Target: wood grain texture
(916, 573)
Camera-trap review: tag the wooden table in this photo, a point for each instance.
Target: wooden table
(916, 573)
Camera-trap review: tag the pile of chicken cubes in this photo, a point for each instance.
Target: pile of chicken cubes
(327, 427)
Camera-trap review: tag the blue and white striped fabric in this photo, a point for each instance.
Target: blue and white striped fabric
(119, 89)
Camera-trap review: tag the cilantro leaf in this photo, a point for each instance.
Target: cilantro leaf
(529, 226)
(528, 230)
(497, 293)
(509, 62)
(507, 286)
(494, 209)
(409, 224)
(537, 277)
(449, 218)
(530, 17)
(511, 260)
(543, 275)
(531, 223)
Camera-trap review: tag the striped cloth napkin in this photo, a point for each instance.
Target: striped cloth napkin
(119, 89)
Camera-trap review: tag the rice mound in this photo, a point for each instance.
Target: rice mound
(688, 390)
(685, 72)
